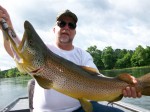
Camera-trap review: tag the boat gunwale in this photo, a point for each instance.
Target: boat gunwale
(12, 104)
(119, 104)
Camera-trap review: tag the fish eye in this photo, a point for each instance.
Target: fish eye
(30, 42)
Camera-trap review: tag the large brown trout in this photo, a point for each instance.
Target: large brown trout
(82, 83)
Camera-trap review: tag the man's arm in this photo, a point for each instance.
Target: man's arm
(4, 15)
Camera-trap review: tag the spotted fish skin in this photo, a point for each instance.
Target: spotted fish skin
(82, 83)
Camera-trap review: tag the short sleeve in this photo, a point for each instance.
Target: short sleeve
(88, 61)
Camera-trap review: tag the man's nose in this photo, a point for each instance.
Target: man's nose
(66, 27)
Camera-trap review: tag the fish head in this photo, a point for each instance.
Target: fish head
(30, 52)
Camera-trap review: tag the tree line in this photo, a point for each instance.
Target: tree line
(13, 72)
(106, 59)
(110, 58)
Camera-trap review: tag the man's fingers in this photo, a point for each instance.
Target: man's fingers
(133, 92)
(139, 95)
(127, 92)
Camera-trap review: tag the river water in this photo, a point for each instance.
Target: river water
(12, 88)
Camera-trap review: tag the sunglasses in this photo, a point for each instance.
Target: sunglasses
(62, 24)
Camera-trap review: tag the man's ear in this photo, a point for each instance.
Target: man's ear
(54, 29)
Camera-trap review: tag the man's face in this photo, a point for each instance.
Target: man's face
(64, 30)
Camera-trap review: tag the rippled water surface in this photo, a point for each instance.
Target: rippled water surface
(11, 89)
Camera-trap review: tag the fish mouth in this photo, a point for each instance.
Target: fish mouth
(22, 51)
(26, 27)
(19, 48)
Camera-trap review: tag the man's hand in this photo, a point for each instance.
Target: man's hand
(131, 91)
(4, 15)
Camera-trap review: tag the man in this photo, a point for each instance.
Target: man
(65, 31)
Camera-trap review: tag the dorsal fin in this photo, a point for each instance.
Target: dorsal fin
(93, 71)
(126, 77)
(43, 82)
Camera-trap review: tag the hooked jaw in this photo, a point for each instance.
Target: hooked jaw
(23, 53)
(17, 57)
(17, 48)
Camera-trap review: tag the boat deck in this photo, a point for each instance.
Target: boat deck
(22, 105)
(19, 105)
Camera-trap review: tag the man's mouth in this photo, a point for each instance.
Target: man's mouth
(65, 34)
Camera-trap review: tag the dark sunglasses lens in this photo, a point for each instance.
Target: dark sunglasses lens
(72, 25)
(61, 24)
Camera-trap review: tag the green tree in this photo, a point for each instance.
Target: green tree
(12, 72)
(9, 73)
(96, 54)
(124, 62)
(108, 57)
(147, 54)
(120, 53)
(139, 57)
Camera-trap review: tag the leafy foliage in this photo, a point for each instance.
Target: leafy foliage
(96, 54)
(11, 73)
(110, 58)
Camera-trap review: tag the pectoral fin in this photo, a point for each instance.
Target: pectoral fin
(46, 84)
(87, 106)
(116, 99)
